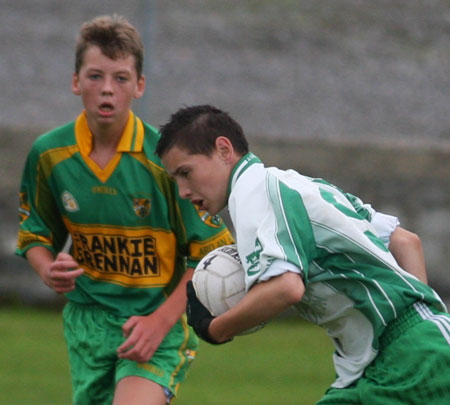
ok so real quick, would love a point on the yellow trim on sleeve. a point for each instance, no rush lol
(200, 249)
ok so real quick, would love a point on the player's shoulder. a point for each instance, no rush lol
(59, 137)
(151, 138)
(291, 178)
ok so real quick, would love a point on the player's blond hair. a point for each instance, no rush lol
(115, 37)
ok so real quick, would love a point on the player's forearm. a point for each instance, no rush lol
(263, 302)
(40, 259)
(175, 305)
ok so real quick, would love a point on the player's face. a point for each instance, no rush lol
(201, 179)
(107, 87)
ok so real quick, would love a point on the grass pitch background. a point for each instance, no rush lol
(289, 360)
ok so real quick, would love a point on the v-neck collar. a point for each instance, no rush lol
(132, 140)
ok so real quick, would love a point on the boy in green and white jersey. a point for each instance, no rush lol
(134, 241)
(304, 243)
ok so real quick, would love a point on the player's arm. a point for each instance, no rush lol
(145, 333)
(406, 247)
(57, 273)
(263, 302)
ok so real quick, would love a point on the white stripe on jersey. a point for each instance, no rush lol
(365, 288)
(273, 186)
(441, 321)
(373, 303)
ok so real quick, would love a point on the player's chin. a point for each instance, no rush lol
(202, 205)
(212, 212)
(212, 209)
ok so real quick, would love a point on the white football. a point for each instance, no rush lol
(219, 281)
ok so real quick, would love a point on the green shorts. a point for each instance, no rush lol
(412, 367)
(93, 336)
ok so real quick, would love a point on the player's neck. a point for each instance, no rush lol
(104, 143)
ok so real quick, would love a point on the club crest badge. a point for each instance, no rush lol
(141, 206)
(69, 202)
(212, 220)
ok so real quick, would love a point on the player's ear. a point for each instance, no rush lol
(224, 148)
(76, 84)
(140, 87)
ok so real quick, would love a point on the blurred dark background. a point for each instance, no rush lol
(353, 91)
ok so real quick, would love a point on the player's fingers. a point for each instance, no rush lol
(64, 286)
(136, 353)
(73, 274)
(65, 264)
(64, 256)
(129, 325)
(126, 346)
(63, 290)
(65, 275)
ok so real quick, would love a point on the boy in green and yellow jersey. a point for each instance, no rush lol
(134, 241)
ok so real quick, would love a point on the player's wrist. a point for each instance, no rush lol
(205, 334)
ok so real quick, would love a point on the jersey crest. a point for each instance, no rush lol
(69, 202)
(212, 220)
(141, 206)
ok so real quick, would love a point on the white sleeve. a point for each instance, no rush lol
(384, 225)
(277, 268)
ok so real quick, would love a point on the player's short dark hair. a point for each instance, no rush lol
(196, 128)
(115, 37)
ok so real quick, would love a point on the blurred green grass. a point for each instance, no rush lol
(288, 362)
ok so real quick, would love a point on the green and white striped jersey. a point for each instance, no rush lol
(288, 222)
(130, 231)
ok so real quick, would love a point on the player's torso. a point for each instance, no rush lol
(117, 226)
(314, 226)
(353, 285)
(118, 219)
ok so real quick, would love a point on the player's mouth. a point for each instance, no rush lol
(106, 109)
(200, 204)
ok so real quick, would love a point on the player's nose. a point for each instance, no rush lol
(107, 86)
(184, 191)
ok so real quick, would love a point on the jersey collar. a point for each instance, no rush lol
(244, 163)
(132, 138)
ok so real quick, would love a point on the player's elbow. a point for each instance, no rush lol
(403, 239)
(292, 288)
(414, 240)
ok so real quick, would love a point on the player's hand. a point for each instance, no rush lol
(62, 273)
(144, 335)
(198, 315)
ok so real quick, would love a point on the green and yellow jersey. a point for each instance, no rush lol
(129, 229)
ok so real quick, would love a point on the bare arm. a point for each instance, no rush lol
(144, 334)
(54, 272)
(406, 247)
(263, 302)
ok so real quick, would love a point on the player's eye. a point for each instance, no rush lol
(94, 76)
(122, 79)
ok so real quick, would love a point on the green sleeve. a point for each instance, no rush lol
(40, 220)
